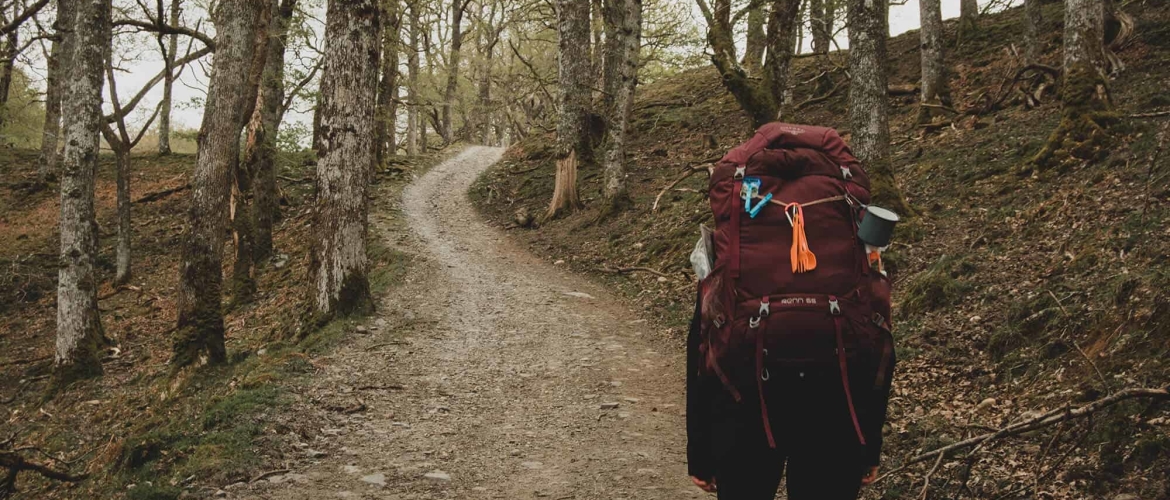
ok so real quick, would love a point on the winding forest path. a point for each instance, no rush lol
(492, 374)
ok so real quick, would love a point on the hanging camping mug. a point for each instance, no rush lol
(877, 227)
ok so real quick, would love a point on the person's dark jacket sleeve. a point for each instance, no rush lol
(878, 410)
(699, 457)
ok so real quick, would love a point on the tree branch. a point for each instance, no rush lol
(166, 29)
(22, 17)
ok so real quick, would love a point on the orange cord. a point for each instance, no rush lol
(803, 259)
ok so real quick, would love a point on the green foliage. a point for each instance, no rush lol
(23, 115)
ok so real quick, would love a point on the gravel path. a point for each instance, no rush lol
(491, 374)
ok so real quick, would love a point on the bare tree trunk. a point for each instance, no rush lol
(317, 124)
(753, 52)
(122, 161)
(200, 330)
(968, 19)
(263, 129)
(457, 9)
(413, 116)
(51, 130)
(821, 18)
(164, 119)
(8, 64)
(869, 106)
(387, 87)
(485, 101)
(574, 77)
(782, 22)
(1081, 134)
(608, 51)
(79, 328)
(628, 20)
(339, 264)
(933, 71)
(1033, 17)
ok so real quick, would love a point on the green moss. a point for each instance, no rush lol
(1082, 134)
(938, 286)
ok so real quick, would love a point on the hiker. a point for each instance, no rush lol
(789, 356)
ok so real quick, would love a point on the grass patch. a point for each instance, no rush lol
(939, 286)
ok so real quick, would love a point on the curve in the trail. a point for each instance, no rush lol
(519, 379)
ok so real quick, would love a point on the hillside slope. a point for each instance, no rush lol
(1014, 293)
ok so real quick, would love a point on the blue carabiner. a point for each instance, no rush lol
(759, 206)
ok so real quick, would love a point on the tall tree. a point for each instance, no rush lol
(171, 54)
(8, 52)
(387, 105)
(934, 82)
(413, 116)
(762, 98)
(1033, 17)
(968, 19)
(574, 70)
(348, 85)
(757, 39)
(628, 34)
(458, 7)
(1084, 95)
(79, 328)
(57, 68)
(869, 106)
(200, 330)
(822, 14)
(260, 144)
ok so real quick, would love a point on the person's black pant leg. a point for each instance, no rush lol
(823, 474)
(746, 468)
(750, 475)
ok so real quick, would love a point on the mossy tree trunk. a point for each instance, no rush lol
(1033, 18)
(757, 39)
(200, 329)
(338, 271)
(760, 99)
(263, 128)
(51, 129)
(868, 102)
(458, 7)
(79, 328)
(934, 82)
(574, 77)
(1086, 111)
(968, 20)
(628, 38)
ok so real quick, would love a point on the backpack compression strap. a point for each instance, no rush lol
(760, 324)
(835, 311)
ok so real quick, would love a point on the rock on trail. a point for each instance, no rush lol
(501, 367)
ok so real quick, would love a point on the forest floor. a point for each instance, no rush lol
(1014, 293)
(489, 374)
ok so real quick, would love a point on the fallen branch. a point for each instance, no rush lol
(158, 195)
(628, 270)
(1048, 419)
(704, 167)
(16, 464)
(1155, 114)
(294, 180)
(270, 473)
(813, 100)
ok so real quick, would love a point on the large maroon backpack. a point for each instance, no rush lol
(808, 194)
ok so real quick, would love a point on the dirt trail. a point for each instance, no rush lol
(486, 374)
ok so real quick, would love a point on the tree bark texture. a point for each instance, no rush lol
(933, 70)
(1086, 113)
(263, 129)
(1033, 18)
(574, 76)
(968, 19)
(200, 329)
(413, 116)
(122, 256)
(609, 51)
(628, 20)
(51, 130)
(757, 40)
(164, 118)
(10, 50)
(782, 21)
(79, 329)
(384, 129)
(868, 103)
(339, 264)
(457, 9)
